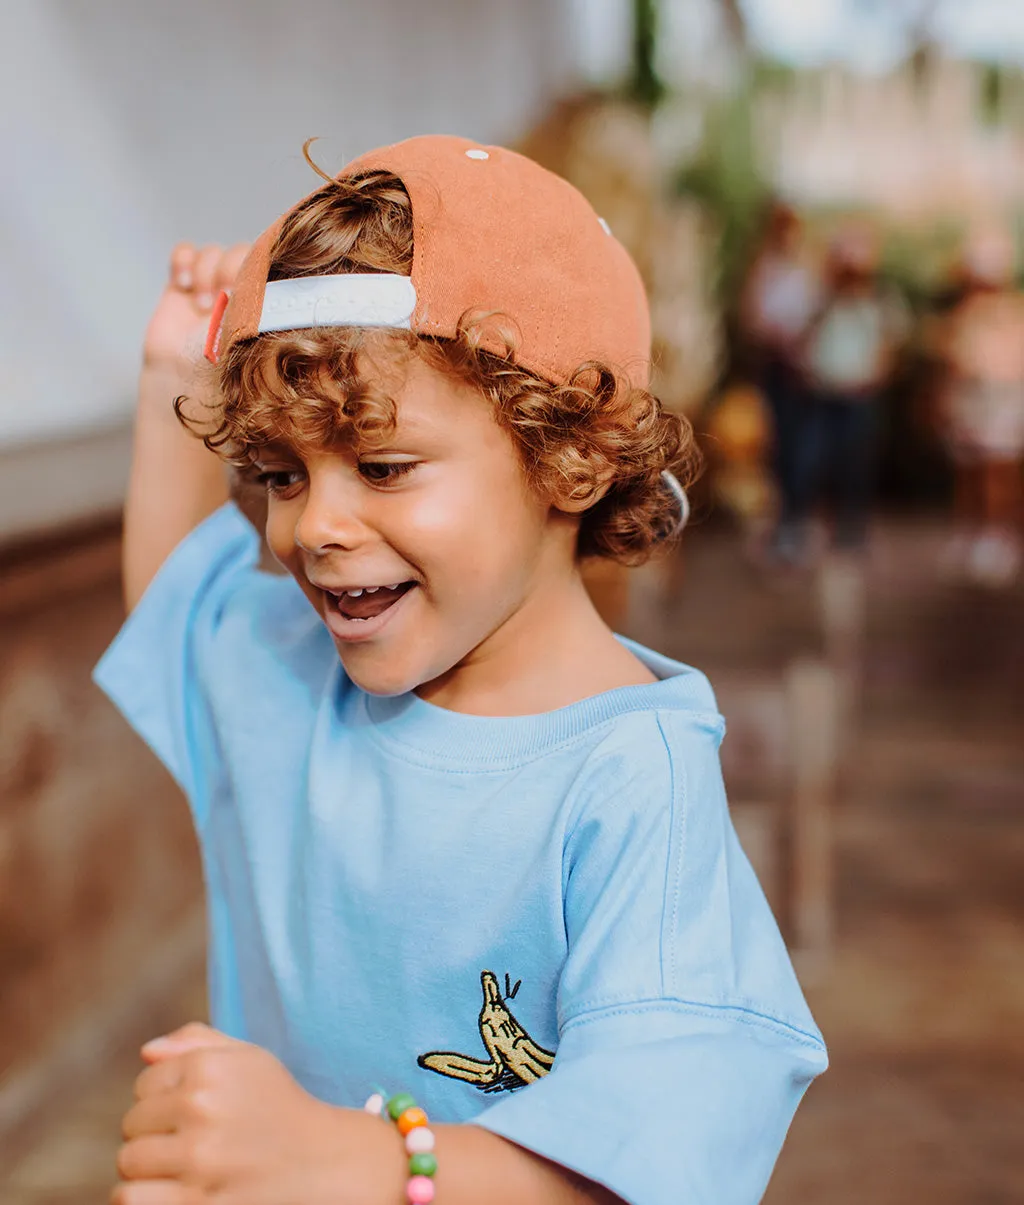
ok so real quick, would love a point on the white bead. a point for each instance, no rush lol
(477, 153)
(375, 1104)
(419, 1141)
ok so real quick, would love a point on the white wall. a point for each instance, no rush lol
(129, 124)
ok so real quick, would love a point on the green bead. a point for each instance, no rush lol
(397, 1105)
(422, 1165)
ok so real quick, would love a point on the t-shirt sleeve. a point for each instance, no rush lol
(153, 670)
(685, 1044)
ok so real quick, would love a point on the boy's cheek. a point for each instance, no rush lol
(279, 532)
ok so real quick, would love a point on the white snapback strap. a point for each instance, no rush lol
(675, 488)
(354, 299)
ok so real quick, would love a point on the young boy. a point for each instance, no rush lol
(459, 839)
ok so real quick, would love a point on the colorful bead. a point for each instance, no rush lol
(423, 1165)
(397, 1105)
(413, 1125)
(420, 1190)
(419, 1141)
(411, 1119)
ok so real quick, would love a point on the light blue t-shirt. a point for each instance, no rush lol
(541, 924)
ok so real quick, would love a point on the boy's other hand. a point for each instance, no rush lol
(218, 1120)
(177, 329)
(175, 481)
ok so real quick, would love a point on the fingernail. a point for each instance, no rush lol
(183, 279)
(205, 300)
(158, 1045)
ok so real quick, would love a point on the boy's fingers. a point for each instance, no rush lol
(152, 1192)
(151, 1158)
(194, 1036)
(192, 1031)
(229, 264)
(160, 1114)
(182, 259)
(205, 275)
(161, 1077)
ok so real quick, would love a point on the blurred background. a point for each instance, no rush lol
(826, 200)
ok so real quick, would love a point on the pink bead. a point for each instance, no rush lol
(420, 1190)
(419, 1141)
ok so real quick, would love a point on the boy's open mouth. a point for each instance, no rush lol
(366, 602)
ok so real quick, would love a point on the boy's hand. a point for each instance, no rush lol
(217, 1120)
(175, 482)
(177, 329)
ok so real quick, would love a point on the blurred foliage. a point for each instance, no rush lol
(645, 85)
(771, 75)
(992, 93)
(920, 260)
(725, 176)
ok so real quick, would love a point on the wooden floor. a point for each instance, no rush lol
(923, 1005)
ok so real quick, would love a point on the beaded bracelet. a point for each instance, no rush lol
(419, 1142)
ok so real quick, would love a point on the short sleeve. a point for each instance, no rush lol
(152, 671)
(685, 1044)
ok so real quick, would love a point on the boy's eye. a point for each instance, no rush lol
(279, 481)
(384, 472)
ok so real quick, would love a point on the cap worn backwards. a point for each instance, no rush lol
(493, 233)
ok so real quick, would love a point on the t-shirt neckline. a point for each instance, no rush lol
(454, 737)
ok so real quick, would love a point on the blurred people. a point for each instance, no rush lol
(779, 298)
(848, 356)
(982, 411)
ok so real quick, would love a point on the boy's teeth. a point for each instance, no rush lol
(353, 593)
(372, 589)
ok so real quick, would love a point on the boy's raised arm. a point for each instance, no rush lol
(175, 481)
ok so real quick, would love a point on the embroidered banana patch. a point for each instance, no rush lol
(516, 1059)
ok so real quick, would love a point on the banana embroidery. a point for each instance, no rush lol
(516, 1059)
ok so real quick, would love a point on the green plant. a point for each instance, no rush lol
(726, 178)
(992, 93)
(645, 85)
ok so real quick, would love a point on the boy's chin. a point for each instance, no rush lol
(380, 675)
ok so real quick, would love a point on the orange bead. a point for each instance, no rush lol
(411, 1119)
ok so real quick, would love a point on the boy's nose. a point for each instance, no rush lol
(330, 523)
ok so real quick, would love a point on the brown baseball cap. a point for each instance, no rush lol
(493, 232)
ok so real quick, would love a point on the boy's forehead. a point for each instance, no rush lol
(384, 361)
(424, 402)
(418, 388)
